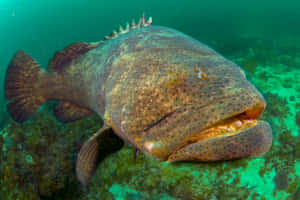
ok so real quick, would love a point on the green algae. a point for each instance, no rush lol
(119, 192)
(29, 159)
(38, 162)
(286, 89)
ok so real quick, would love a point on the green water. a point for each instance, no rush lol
(262, 36)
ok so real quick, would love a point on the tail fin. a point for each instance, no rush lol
(22, 87)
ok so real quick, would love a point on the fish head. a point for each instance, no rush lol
(193, 107)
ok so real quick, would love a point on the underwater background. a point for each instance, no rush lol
(37, 158)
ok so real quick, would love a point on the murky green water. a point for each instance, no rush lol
(37, 158)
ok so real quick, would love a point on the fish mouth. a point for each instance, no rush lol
(230, 126)
(237, 136)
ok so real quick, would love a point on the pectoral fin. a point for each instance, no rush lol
(96, 148)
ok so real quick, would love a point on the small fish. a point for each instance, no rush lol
(163, 92)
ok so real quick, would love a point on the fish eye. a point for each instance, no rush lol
(176, 77)
(170, 77)
(201, 75)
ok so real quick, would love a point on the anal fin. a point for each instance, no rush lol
(66, 111)
(95, 149)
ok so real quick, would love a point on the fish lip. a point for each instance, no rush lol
(250, 114)
(252, 142)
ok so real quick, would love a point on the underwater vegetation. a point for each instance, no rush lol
(37, 158)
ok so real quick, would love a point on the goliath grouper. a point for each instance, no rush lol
(161, 91)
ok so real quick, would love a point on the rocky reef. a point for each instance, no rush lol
(37, 158)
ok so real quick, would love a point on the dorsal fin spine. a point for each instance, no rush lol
(132, 24)
(142, 22)
(127, 28)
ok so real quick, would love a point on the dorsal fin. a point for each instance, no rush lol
(62, 58)
(142, 23)
(66, 111)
